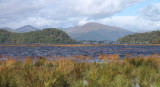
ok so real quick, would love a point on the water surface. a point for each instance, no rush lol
(93, 51)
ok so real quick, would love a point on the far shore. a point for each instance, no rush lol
(72, 45)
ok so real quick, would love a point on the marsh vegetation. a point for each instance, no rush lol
(130, 72)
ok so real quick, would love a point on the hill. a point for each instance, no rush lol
(50, 35)
(26, 28)
(8, 29)
(97, 32)
(22, 29)
(148, 37)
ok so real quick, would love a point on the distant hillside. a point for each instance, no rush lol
(26, 28)
(50, 35)
(148, 37)
(8, 29)
(98, 32)
(23, 29)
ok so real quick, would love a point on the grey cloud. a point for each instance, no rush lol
(15, 13)
(133, 23)
(90, 8)
(151, 12)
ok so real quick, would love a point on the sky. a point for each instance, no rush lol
(134, 15)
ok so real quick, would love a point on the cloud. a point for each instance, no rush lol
(151, 12)
(67, 13)
(16, 13)
(12, 8)
(133, 23)
(88, 8)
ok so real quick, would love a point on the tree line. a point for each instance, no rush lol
(49, 35)
(147, 37)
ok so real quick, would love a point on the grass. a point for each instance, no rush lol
(142, 71)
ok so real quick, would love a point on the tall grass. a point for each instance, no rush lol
(142, 71)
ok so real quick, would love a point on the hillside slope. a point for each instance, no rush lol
(148, 37)
(23, 29)
(98, 32)
(49, 35)
(26, 28)
(8, 29)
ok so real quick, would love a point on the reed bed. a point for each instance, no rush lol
(130, 72)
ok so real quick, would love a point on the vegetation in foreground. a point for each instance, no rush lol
(48, 36)
(130, 72)
(148, 37)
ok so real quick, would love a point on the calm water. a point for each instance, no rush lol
(93, 51)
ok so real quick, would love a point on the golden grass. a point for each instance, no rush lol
(109, 57)
(64, 72)
(81, 57)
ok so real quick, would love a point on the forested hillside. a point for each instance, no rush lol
(148, 37)
(50, 35)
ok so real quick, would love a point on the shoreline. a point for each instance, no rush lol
(77, 45)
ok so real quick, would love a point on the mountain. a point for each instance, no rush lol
(26, 28)
(148, 37)
(8, 29)
(49, 35)
(23, 29)
(97, 32)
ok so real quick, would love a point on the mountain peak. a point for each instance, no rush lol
(26, 28)
(91, 23)
(97, 31)
(8, 29)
